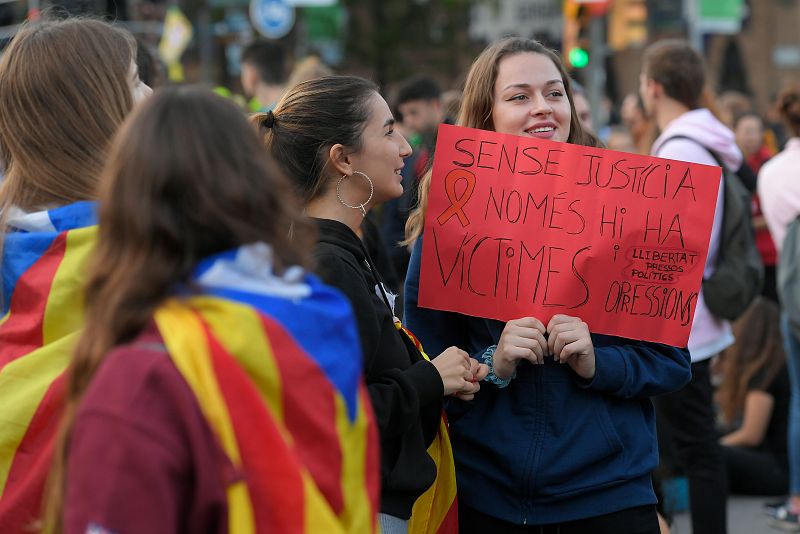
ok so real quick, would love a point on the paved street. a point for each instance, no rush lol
(745, 516)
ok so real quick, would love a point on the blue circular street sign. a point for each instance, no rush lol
(272, 18)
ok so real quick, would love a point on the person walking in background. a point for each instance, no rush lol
(65, 87)
(729, 105)
(672, 82)
(641, 127)
(582, 106)
(749, 130)
(334, 139)
(309, 68)
(264, 73)
(775, 131)
(419, 101)
(779, 190)
(420, 106)
(451, 103)
(150, 67)
(545, 447)
(217, 386)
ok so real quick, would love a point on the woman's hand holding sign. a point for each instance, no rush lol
(569, 340)
(522, 339)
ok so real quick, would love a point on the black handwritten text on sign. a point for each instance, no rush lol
(518, 226)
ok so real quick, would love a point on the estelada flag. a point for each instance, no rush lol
(275, 364)
(43, 267)
(436, 510)
(333, 452)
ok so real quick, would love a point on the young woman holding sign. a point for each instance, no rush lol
(568, 446)
(335, 139)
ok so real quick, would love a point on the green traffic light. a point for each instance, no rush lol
(578, 57)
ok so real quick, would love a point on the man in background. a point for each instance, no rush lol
(419, 113)
(264, 73)
(671, 86)
(419, 101)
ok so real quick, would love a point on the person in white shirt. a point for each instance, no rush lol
(779, 190)
(671, 86)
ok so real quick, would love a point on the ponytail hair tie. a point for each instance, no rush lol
(269, 120)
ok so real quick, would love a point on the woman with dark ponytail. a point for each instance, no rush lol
(334, 138)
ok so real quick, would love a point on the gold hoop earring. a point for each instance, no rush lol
(360, 206)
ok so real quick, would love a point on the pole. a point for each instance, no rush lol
(34, 8)
(205, 42)
(691, 9)
(596, 69)
(379, 42)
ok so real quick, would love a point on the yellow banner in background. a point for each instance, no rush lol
(177, 35)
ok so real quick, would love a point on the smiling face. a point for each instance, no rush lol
(381, 156)
(530, 98)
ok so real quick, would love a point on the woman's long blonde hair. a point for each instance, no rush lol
(477, 103)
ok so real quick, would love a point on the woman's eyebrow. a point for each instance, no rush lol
(528, 86)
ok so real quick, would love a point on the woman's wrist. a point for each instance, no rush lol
(488, 358)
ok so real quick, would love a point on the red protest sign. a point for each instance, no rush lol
(519, 227)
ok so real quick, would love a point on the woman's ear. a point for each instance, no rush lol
(340, 160)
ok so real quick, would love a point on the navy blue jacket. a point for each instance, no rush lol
(552, 447)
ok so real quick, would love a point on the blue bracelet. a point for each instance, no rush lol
(488, 359)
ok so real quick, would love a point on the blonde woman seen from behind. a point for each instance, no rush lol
(65, 87)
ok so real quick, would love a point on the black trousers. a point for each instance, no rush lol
(639, 520)
(770, 289)
(688, 415)
(755, 472)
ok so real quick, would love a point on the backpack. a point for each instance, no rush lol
(739, 273)
(789, 276)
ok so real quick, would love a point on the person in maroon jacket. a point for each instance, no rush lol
(187, 182)
(749, 130)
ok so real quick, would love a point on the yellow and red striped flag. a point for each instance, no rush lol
(296, 411)
(43, 268)
(276, 367)
(436, 510)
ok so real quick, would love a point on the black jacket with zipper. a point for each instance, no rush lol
(406, 390)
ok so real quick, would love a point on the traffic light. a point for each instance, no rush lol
(578, 57)
(627, 24)
(575, 47)
(578, 15)
(575, 53)
(571, 30)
